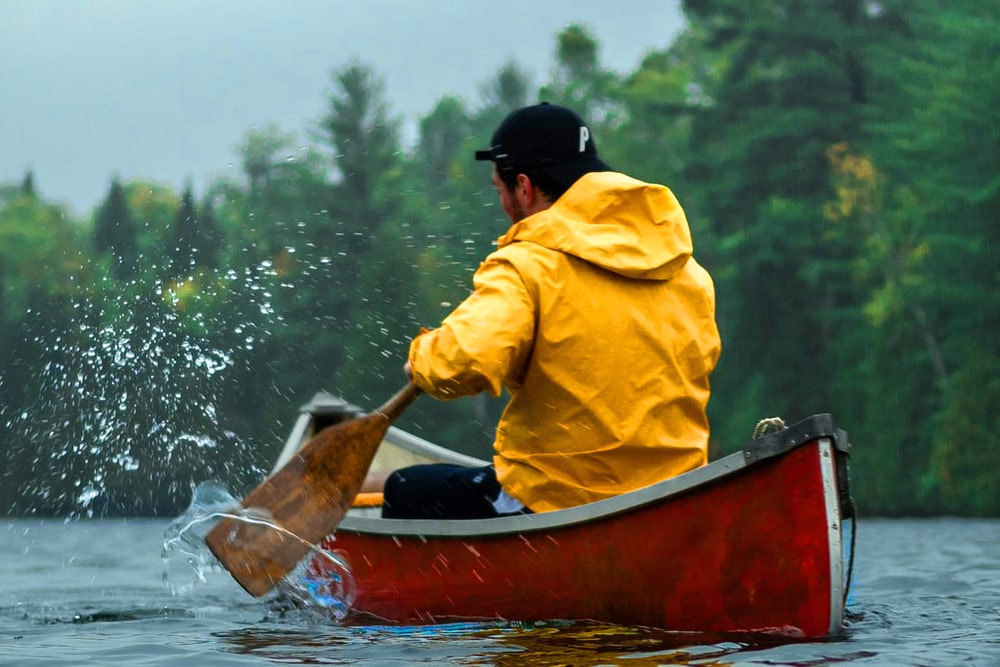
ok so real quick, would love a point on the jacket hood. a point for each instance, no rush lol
(616, 222)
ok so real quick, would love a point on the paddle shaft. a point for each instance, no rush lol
(393, 408)
(306, 499)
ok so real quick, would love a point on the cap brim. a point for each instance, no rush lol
(484, 155)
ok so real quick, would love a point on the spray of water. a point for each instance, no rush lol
(124, 415)
(321, 584)
(186, 559)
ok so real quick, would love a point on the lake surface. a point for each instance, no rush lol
(926, 592)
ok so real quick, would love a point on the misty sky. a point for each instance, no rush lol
(165, 89)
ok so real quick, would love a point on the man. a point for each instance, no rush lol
(595, 318)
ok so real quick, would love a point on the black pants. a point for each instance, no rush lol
(442, 491)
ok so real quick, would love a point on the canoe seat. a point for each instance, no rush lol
(373, 499)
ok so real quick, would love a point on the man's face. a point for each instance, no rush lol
(507, 200)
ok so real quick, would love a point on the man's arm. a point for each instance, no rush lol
(484, 342)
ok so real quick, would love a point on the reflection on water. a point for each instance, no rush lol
(118, 615)
(505, 644)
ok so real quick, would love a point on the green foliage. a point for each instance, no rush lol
(510, 89)
(28, 184)
(115, 233)
(442, 134)
(757, 178)
(210, 240)
(183, 241)
(661, 98)
(153, 206)
(366, 143)
(580, 82)
(922, 213)
(965, 455)
(40, 257)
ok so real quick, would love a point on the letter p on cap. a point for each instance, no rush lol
(584, 135)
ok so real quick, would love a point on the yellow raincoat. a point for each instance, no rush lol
(601, 326)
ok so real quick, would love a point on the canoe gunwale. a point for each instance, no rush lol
(547, 520)
(779, 442)
(815, 428)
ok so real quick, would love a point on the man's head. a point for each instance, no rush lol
(545, 146)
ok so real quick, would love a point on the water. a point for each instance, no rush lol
(327, 594)
(92, 592)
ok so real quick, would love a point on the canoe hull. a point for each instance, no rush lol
(738, 547)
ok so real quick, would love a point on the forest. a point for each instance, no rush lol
(838, 160)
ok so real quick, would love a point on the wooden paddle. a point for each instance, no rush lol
(307, 498)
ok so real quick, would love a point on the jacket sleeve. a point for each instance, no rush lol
(484, 343)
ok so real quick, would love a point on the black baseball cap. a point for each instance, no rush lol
(548, 137)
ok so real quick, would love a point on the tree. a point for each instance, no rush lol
(42, 274)
(184, 237)
(659, 100)
(154, 207)
(285, 202)
(510, 89)
(786, 88)
(28, 184)
(944, 157)
(277, 287)
(116, 234)
(580, 82)
(210, 240)
(443, 133)
(365, 139)
(373, 311)
(195, 237)
(40, 257)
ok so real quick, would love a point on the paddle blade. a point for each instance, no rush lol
(306, 500)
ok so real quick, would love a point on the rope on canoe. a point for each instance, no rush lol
(768, 425)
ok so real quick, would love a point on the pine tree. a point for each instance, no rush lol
(365, 139)
(209, 242)
(184, 237)
(364, 206)
(28, 184)
(510, 89)
(116, 233)
(443, 133)
(580, 82)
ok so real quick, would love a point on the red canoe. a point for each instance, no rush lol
(752, 542)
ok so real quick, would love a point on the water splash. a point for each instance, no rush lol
(123, 413)
(322, 584)
(186, 559)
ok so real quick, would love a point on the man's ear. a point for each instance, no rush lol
(525, 192)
